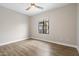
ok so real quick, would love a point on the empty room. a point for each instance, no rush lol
(39, 29)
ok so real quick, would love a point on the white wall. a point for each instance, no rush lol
(13, 26)
(78, 26)
(62, 25)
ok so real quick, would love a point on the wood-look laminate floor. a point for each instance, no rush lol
(36, 48)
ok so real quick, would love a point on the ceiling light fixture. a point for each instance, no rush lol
(32, 5)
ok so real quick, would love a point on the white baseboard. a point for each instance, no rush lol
(42, 40)
(69, 45)
(75, 46)
(65, 44)
(11, 42)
